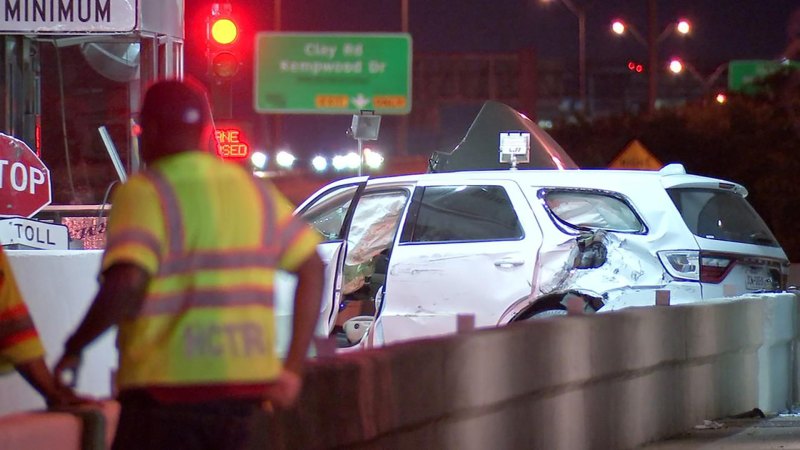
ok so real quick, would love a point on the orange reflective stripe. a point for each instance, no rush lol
(181, 301)
(218, 260)
(135, 237)
(14, 312)
(269, 216)
(170, 211)
(15, 330)
(292, 230)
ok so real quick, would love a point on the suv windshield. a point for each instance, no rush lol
(721, 215)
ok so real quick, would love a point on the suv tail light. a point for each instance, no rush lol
(714, 269)
(681, 264)
(696, 266)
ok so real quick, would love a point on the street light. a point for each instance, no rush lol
(259, 160)
(682, 27)
(678, 66)
(319, 163)
(580, 13)
(373, 159)
(652, 42)
(284, 159)
(620, 28)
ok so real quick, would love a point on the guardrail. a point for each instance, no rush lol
(615, 380)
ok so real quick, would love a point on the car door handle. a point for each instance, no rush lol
(508, 263)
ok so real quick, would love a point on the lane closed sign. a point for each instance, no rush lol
(24, 180)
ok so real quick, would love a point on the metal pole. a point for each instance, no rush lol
(402, 135)
(582, 60)
(652, 51)
(360, 155)
(276, 118)
(580, 12)
(277, 15)
(404, 16)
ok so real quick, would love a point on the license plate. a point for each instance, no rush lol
(757, 279)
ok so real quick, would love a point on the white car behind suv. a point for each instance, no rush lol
(409, 256)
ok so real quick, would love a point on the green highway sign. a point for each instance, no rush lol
(332, 73)
(743, 75)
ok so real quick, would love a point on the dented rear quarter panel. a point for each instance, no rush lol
(632, 271)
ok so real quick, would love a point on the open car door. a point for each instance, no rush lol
(331, 212)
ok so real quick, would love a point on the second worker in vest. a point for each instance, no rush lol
(193, 244)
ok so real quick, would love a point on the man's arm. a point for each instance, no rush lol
(285, 389)
(37, 374)
(307, 298)
(120, 296)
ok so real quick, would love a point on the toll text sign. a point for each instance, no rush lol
(24, 179)
(332, 73)
(34, 234)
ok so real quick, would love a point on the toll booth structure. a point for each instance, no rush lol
(73, 73)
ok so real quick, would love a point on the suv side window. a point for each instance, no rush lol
(327, 213)
(585, 209)
(465, 213)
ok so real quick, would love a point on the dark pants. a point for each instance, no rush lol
(145, 424)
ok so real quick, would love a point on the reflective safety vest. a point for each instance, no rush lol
(19, 341)
(212, 237)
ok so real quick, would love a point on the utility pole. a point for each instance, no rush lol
(652, 52)
(276, 118)
(402, 136)
(579, 10)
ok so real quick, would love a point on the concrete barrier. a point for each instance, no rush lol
(58, 287)
(615, 380)
(83, 428)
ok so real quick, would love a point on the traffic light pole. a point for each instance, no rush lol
(221, 101)
(276, 121)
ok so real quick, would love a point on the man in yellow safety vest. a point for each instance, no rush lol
(193, 244)
(20, 346)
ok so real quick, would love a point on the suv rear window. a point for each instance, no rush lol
(721, 215)
(465, 213)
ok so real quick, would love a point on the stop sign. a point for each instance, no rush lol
(24, 179)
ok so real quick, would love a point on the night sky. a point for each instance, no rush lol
(722, 30)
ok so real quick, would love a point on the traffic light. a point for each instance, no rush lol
(222, 39)
(634, 66)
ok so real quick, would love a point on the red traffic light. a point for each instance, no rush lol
(634, 66)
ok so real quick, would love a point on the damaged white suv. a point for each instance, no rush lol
(407, 255)
(410, 256)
